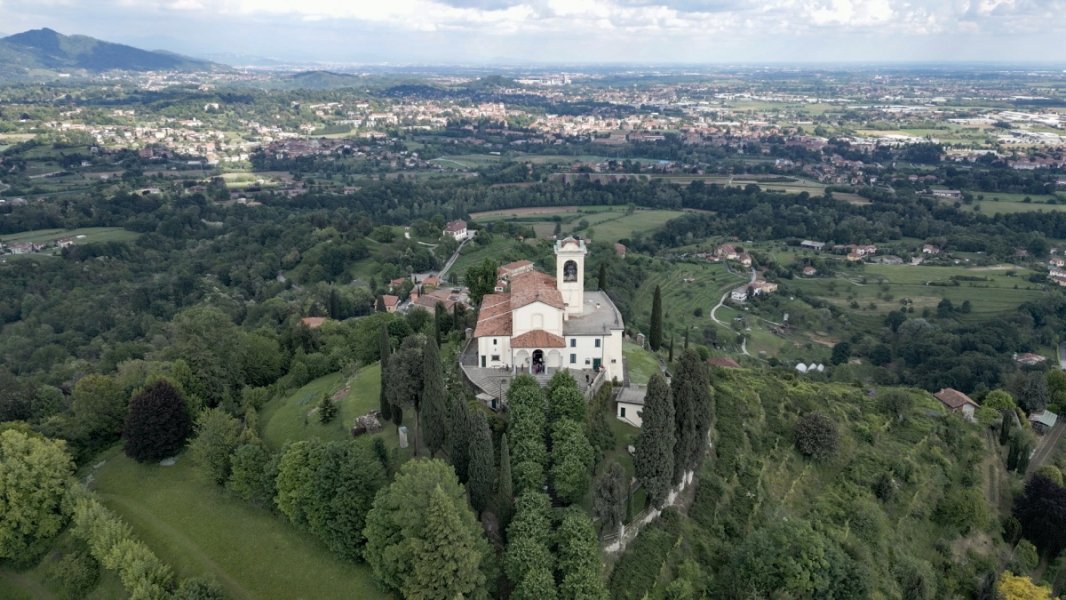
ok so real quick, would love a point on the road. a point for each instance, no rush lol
(721, 301)
(1062, 355)
(1047, 449)
(451, 261)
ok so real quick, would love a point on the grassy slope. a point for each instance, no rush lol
(284, 418)
(193, 526)
(755, 476)
(641, 363)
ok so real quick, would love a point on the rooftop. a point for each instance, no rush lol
(599, 316)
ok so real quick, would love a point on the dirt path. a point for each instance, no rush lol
(188, 547)
(1047, 449)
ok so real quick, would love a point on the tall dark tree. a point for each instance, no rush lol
(653, 460)
(505, 491)
(157, 424)
(1005, 426)
(602, 282)
(440, 316)
(405, 382)
(481, 279)
(655, 334)
(692, 413)
(433, 406)
(579, 558)
(1041, 509)
(459, 426)
(609, 503)
(482, 470)
(383, 394)
(334, 303)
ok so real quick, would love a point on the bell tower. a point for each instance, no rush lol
(570, 273)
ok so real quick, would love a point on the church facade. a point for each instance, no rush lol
(544, 323)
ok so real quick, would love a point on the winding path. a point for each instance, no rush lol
(451, 261)
(721, 301)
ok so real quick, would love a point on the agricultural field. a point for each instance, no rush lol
(599, 223)
(879, 289)
(197, 529)
(686, 303)
(84, 235)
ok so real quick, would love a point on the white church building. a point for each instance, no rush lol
(544, 323)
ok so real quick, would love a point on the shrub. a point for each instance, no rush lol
(816, 436)
(76, 573)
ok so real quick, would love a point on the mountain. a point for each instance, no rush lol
(46, 50)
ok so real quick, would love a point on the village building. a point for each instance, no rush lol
(723, 361)
(957, 402)
(630, 404)
(547, 323)
(930, 249)
(1028, 359)
(809, 271)
(812, 245)
(1042, 421)
(951, 194)
(390, 302)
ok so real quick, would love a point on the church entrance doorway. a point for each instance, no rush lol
(538, 362)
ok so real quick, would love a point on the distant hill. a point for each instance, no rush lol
(44, 50)
(322, 80)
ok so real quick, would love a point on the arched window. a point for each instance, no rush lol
(570, 271)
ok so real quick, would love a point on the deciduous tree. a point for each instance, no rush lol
(447, 556)
(157, 424)
(35, 473)
(579, 558)
(816, 436)
(217, 437)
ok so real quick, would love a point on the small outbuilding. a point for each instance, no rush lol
(1043, 420)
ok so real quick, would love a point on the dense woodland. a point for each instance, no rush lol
(842, 488)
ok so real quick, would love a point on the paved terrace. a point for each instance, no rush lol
(493, 384)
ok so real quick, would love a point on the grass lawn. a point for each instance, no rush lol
(198, 530)
(35, 583)
(641, 363)
(293, 417)
(624, 226)
(92, 234)
(685, 303)
(605, 223)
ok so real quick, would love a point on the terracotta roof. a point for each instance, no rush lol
(390, 300)
(534, 286)
(313, 322)
(454, 226)
(495, 316)
(511, 267)
(538, 338)
(954, 399)
(723, 361)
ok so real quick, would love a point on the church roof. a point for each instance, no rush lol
(495, 316)
(534, 286)
(538, 338)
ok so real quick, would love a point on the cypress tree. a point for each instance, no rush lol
(334, 303)
(1004, 427)
(603, 276)
(505, 492)
(459, 438)
(609, 503)
(692, 413)
(433, 411)
(686, 338)
(482, 469)
(438, 321)
(383, 399)
(655, 336)
(670, 356)
(653, 459)
(1012, 454)
(1024, 451)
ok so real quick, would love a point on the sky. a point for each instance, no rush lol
(534, 32)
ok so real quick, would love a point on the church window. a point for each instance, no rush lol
(597, 342)
(495, 358)
(570, 271)
(573, 342)
(573, 359)
(622, 411)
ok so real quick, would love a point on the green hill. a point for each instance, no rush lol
(902, 508)
(48, 50)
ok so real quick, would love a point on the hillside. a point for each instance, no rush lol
(47, 50)
(897, 510)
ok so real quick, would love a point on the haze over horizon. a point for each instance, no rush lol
(568, 31)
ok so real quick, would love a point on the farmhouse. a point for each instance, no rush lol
(456, 230)
(930, 249)
(546, 323)
(390, 302)
(957, 402)
(313, 322)
(1029, 359)
(812, 245)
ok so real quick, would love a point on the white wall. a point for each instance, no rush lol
(522, 320)
(632, 413)
(502, 348)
